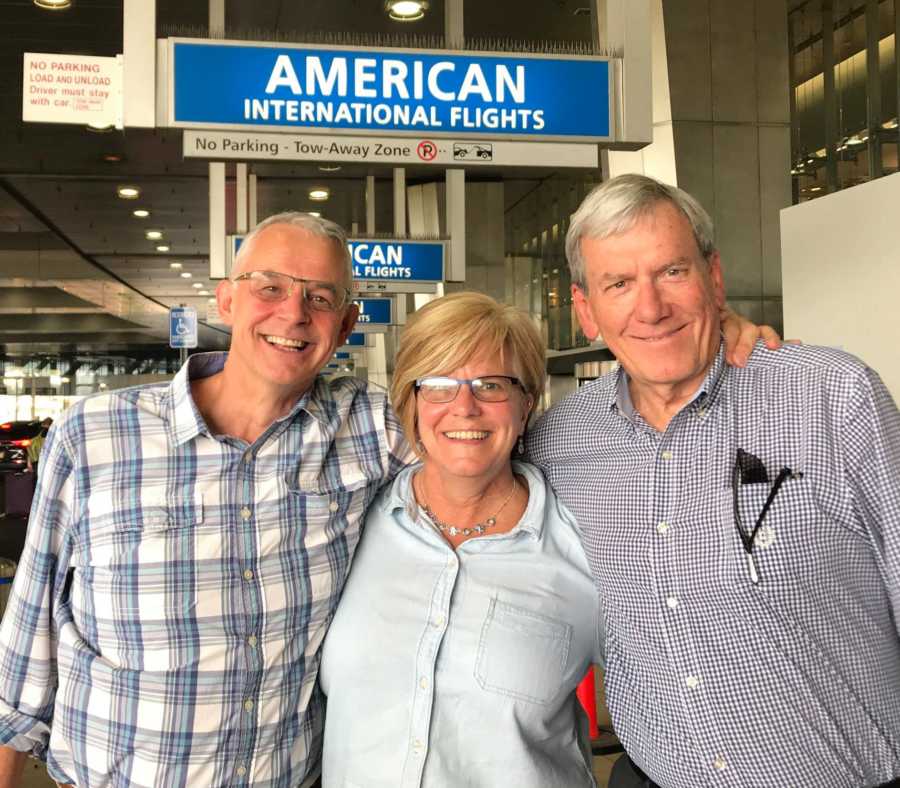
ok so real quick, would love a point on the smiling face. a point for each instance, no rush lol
(282, 346)
(468, 438)
(655, 300)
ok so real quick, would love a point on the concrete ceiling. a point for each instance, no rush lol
(76, 268)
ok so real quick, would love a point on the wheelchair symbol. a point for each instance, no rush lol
(181, 328)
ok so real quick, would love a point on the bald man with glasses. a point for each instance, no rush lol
(189, 542)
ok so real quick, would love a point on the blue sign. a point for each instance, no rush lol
(421, 92)
(182, 326)
(374, 311)
(395, 260)
(341, 355)
(356, 339)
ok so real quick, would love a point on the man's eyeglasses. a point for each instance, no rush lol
(490, 388)
(273, 286)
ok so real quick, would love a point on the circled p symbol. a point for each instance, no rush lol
(427, 150)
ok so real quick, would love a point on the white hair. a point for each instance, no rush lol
(616, 206)
(314, 225)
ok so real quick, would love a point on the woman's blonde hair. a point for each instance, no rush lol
(448, 332)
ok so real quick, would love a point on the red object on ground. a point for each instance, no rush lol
(587, 696)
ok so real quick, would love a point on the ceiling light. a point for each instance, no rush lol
(53, 5)
(315, 213)
(153, 235)
(205, 292)
(406, 10)
(112, 158)
(210, 300)
(162, 248)
(141, 213)
(128, 192)
(186, 274)
(176, 266)
(329, 167)
(319, 194)
(197, 285)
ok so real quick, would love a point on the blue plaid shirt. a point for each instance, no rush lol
(713, 680)
(166, 619)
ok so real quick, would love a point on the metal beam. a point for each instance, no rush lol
(830, 97)
(873, 90)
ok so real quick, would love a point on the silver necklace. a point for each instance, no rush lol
(478, 528)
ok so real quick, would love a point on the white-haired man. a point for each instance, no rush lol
(189, 542)
(743, 524)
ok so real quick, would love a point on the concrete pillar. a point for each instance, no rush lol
(729, 85)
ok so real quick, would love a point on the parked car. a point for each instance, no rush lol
(15, 438)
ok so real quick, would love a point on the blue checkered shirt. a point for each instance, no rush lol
(713, 680)
(167, 615)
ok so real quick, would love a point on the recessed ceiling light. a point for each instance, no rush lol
(112, 158)
(128, 192)
(153, 235)
(204, 292)
(197, 285)
(315, 213)
(186, 274)
(211, 300)
(162, 248)
(319, 194)
(176, 266)
(406, 10)
(141, 213)
(53, 5)
(329, 167)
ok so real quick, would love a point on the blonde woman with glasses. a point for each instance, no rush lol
(470, 615)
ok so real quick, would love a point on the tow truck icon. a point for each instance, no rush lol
(473, 151)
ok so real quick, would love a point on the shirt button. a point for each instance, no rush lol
(423, 683)
(719, 763)
(248, 574)
(672, 601)
(662, 528)
(439, 621)
(333, 506)
(251, 641)
(667, 455)
(241, 771)
(451, 561)
(692, 681)
(248, 705)
(248, 457)
(701, 412)
(245, 513)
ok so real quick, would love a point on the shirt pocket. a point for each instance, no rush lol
(522, 654)
(135, 584)
(145, 528)
(795, 543)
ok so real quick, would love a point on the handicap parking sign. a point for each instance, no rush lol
(182, 327)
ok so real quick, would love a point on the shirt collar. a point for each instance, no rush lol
(186, 422)
(704, 396)
(532, 522)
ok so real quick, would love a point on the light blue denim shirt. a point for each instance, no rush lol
(459, 668)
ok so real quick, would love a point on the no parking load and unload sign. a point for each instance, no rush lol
(215, 84)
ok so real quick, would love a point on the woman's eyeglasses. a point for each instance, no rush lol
(490, 388)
